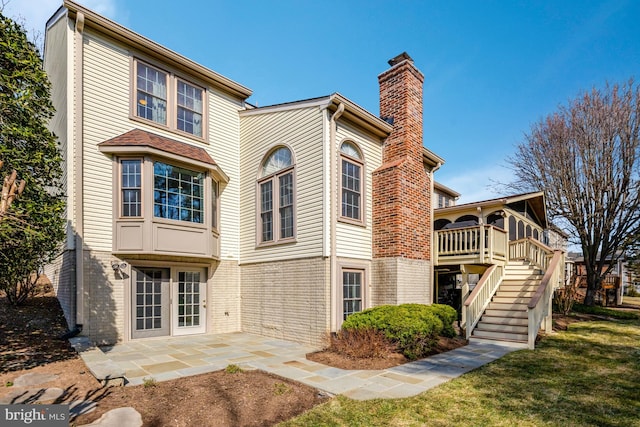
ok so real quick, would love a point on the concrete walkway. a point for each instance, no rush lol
(170, 358)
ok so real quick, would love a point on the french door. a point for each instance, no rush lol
(168, 301)
(189, 304)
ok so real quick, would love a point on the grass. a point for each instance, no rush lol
(604, 311)
(631, 301)
(232, 369)
(588, 375)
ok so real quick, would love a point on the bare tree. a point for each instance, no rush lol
(586, 158)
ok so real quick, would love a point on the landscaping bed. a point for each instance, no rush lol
(28, 344)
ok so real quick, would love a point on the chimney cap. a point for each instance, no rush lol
(404, 56)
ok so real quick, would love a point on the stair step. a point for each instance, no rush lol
(506, 313)
(495, 327)
(480, 333)
(507, 307)
(520, 277)
(511, 299)
(520, 283)
(498, 320)
(508, 343)
(518, 288)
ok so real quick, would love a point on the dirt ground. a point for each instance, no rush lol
(28, 343)
(391, 360)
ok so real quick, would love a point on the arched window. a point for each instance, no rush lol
(513, 232)
(469, 219)
(438, 224)
(520, 229)
(496, 219)
(276, 189)
(351, 182)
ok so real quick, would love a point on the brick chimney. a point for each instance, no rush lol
(402, 192)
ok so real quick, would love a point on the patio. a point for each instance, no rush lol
(170, 358)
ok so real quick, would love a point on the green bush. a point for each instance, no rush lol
(448, 315)
(414, 328)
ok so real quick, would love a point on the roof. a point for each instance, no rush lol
(352, 112)
(444, 189)
(536, 201)
(134, 140)
(149, 47)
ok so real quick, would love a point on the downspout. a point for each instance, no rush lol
(78, 142)
(433, 245)
(333, 202)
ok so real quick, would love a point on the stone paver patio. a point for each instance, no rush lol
(170, 358)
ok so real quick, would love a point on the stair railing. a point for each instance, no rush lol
(532, 250)
(539, 308)
(481, 296)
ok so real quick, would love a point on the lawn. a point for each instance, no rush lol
(588, 375)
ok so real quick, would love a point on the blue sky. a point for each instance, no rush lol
(492, 68)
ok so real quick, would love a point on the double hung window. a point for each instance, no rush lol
(276, 187)
(131, 187)
(167, 100)
(351, 182)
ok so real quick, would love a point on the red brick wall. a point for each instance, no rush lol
(401, 187)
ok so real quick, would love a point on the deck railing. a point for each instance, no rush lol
(483, 244)
(481, 296)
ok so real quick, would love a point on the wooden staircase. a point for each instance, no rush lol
(506, 318)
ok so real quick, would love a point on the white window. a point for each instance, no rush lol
(189, 108)
(167, 100)
(351, 184)
(131, 187)
(276, 221)
(352, 286)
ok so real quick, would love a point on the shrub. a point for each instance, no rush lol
(413, 328)
(564, 298)
(364, 343)
(448, 315)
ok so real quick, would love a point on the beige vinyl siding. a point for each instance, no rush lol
(59, 47)
(355, 241)
(105, 115)
(107, 97)
(302, 131)
(224, 147)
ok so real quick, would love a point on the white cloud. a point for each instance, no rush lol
(33, 14)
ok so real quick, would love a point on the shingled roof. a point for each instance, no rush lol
(140, 138)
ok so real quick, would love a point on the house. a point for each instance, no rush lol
(617, 281)
(192, 211)
(493, 263)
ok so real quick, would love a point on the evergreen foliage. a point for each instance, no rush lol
(31, 235)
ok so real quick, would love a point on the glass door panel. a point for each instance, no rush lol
(150, 302)
(189, 293)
